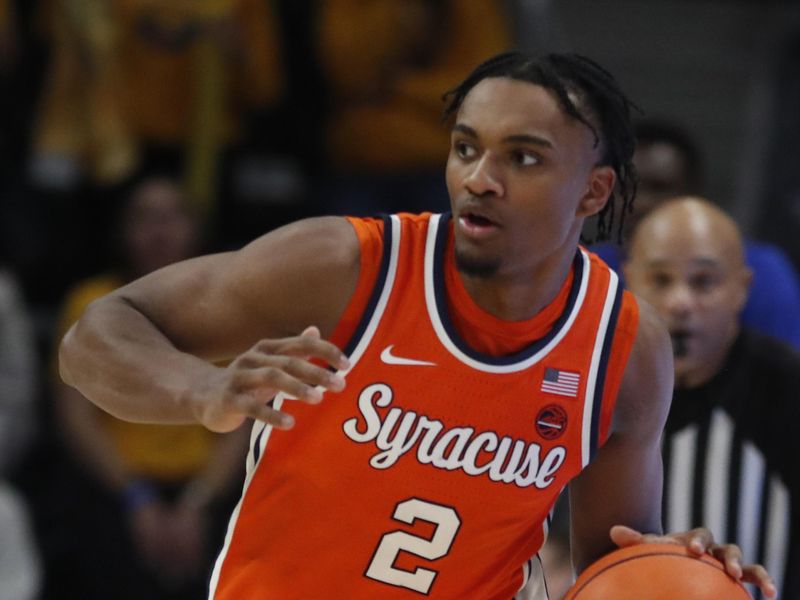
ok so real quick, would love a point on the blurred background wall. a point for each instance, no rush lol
(725, 69)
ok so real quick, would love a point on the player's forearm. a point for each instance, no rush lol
(119, 359)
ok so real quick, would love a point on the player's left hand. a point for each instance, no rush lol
(700, 541)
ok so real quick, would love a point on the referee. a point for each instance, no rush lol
(731, 441)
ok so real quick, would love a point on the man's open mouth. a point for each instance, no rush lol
(473, 219)
(680, 342)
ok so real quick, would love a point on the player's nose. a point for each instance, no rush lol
(484, 178)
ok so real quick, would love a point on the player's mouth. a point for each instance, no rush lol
(475, 224)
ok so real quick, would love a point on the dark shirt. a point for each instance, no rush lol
(731, 452)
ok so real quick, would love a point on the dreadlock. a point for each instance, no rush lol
(587, 93)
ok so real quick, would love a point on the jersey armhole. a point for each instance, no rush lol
(370, 240)
(621, 346)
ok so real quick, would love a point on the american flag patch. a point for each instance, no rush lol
(563, 383)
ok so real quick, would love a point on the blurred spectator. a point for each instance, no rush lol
(386, 63)
(730, 442)
(159, 487)
(20, 66)
(20, 571)
(18, 370)
(20, 576)
(270, 172)
(9, 59)
(668, 164)
(8, 36)
(136, 79)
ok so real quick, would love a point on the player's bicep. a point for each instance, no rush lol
(217, 306)
(623, 485)
(187, 303)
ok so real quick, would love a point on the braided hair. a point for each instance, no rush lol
(586, 92)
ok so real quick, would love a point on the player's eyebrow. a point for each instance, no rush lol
(524, 138)
(465, 129)
(518, 138)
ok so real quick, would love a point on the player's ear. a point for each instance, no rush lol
(599, 186)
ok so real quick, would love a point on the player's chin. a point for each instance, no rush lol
(476, 264)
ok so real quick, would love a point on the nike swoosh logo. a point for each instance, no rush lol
(391, 359)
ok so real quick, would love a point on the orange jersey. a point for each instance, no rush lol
(434, 473)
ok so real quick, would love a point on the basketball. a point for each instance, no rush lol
(656, 572)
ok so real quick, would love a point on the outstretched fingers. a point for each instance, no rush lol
(308, 346)
(758, 575)
(247, 405)
(297, 378)
(731, 556)
(300, 367)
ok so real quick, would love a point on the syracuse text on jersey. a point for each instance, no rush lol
(509, 461)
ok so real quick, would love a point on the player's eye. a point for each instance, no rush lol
(524, 158)
(465, 150)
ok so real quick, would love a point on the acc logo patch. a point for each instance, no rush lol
(551, 422)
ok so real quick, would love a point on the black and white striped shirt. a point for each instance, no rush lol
(732, 458)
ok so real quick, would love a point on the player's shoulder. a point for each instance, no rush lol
(311, 241)
(298, 274)
(317, 249)
(374, 232)
(417, 221)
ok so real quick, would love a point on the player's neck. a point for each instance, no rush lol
(521, 294)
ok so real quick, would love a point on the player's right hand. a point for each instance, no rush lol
(698, 541)
(246, 386)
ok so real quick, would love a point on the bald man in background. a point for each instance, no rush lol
(668, 164)
(731, 440)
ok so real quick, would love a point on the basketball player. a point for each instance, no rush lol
(730, 440)
(452, 373)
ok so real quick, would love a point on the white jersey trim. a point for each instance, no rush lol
(452, 347)
(255, 432)
(591, 380)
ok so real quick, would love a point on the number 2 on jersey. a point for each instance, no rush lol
(446, 522)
